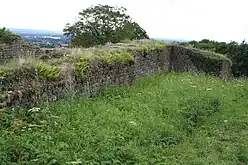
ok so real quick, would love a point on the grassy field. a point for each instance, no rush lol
(173, 119)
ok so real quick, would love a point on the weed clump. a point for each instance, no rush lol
(117, 57)
(47, 71)
(152, 45)
(82, 65)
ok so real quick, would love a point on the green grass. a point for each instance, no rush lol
(172, 119)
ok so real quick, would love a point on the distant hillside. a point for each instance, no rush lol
(35, 31)
(169, 40)
(43, 38)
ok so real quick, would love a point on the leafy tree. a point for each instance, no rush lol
(100, 24)
(6, 36)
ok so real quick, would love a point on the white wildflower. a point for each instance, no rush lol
(34, 109)
(75, 162)
(132, 122)
(225, 121)
(209, 89)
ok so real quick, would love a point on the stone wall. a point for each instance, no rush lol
(17, 49)
(153, 62)
(183, 59)
(30, 92)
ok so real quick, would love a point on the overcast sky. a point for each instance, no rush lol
(221, 20)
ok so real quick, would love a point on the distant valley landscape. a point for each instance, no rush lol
(52, 39)
(42, 38)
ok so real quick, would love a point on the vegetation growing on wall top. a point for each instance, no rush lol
(82, 64)
(237, 52)
(118, 57)
(47, 71)
(7, 37)
(9, 77)
(92, 59)
(209, 54)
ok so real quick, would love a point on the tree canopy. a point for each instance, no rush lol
(100, 24)
(6, 36)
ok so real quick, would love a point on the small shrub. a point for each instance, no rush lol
(152, 45)
(47, 71)
(120, 57)
(145, 49)
(160, 44)
(7, 37)
(83, 64)
(2, 73)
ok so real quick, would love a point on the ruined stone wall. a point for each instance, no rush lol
(180, 61)
(18, 48)
(32, 91)
(183, 59)
(153, 62)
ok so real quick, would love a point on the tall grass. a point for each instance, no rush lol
(173, 119)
